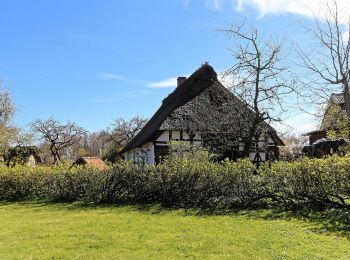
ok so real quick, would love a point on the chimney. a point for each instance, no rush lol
(180, 80)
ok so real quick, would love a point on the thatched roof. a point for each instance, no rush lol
(95, 162)
(177, 110)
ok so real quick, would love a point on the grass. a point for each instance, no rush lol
(42, 231)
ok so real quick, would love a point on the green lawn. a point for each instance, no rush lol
(37, 230)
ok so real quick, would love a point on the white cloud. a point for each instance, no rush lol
(111, 76)
(165, 83)
(309, 8)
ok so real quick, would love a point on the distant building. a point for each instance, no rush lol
(334, 123)
(22, 155)
(187, 114)
(333, 131)
(316, 135)
(95, 162)
(34, 160)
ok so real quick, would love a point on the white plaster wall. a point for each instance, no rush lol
(141, 154)
(269, 140)
(175, 135)
(198, 136)
(262, 156)
(31, 161)
(164, 137)
(261, 144)
(149, 149)
(185, 136)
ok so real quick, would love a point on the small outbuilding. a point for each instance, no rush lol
(22, 155)
(95, 162)
(316, 135)
(34, 160)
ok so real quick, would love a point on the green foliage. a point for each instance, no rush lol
(187, 151)
(336, 122)
(110, 154)
(19, 154)
(189, 183)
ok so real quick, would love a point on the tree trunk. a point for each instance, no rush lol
(247, 144)
(53, 152)
(58, 156)
(249, 140)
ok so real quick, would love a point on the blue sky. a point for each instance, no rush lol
(91, 61)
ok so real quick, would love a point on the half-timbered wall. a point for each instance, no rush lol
(141, 155)
(148, 154)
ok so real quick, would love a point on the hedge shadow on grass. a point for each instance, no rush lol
(328, 221)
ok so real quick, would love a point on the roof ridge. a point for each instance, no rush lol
(199, 80)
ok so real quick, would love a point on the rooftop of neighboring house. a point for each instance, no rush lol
(92, 161)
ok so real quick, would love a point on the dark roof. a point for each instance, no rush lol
(198, 82)
(314, 132)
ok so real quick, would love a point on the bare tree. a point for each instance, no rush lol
(293, 146)
(7, 109)
(60, 136)
(95, 143)
(115, 137)
(8, 133)
(259, 78)
(123, 131)
(327, 60)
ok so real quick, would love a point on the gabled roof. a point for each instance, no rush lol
(314, 132)
(201, 79)
(198, 82)
(96, 162)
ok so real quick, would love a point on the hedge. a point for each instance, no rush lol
(188, 183)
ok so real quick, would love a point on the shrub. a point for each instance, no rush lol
(188, 183)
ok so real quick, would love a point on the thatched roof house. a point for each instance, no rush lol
(334, 120)
(200, 109)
